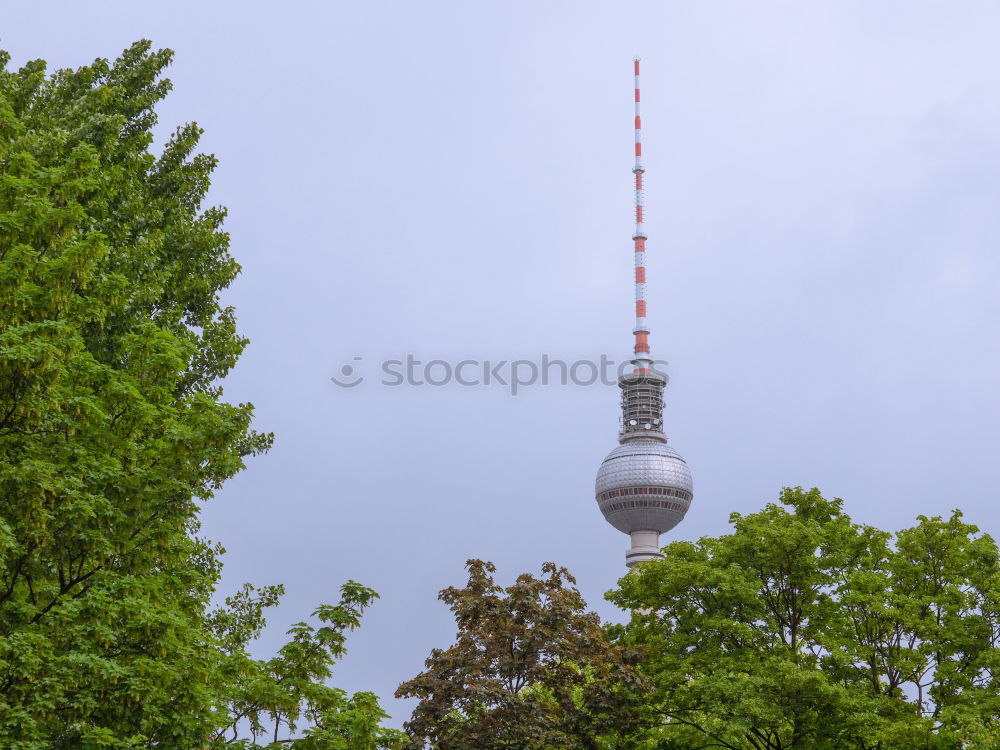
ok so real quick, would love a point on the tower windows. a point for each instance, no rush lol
(666, 504)
(634, 491)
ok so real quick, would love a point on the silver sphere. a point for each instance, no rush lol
(644, 485)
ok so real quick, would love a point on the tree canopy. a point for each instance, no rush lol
(530, 668)
(113, 429)
(803, 629)
(285, 700)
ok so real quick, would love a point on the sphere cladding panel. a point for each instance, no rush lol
(644, 463)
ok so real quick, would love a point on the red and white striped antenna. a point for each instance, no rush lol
(643, 362)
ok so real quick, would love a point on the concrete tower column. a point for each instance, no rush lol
(645, 546)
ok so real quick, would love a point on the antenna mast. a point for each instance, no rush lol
(643, 362)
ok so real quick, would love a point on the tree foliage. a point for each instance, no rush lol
(266, 701)
(113, 429)
(530, 668)
(802, 629)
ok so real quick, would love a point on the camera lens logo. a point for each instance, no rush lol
(349, 377)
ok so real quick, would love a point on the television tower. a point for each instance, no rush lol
(644, 487)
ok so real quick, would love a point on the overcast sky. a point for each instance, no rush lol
(452, 180)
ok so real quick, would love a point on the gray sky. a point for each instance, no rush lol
(452, 180)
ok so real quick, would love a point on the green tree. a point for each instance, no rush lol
(530, 668)
(266, 701)
(113, 427)
(802, 629)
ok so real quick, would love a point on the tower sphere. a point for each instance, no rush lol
(644, 485)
